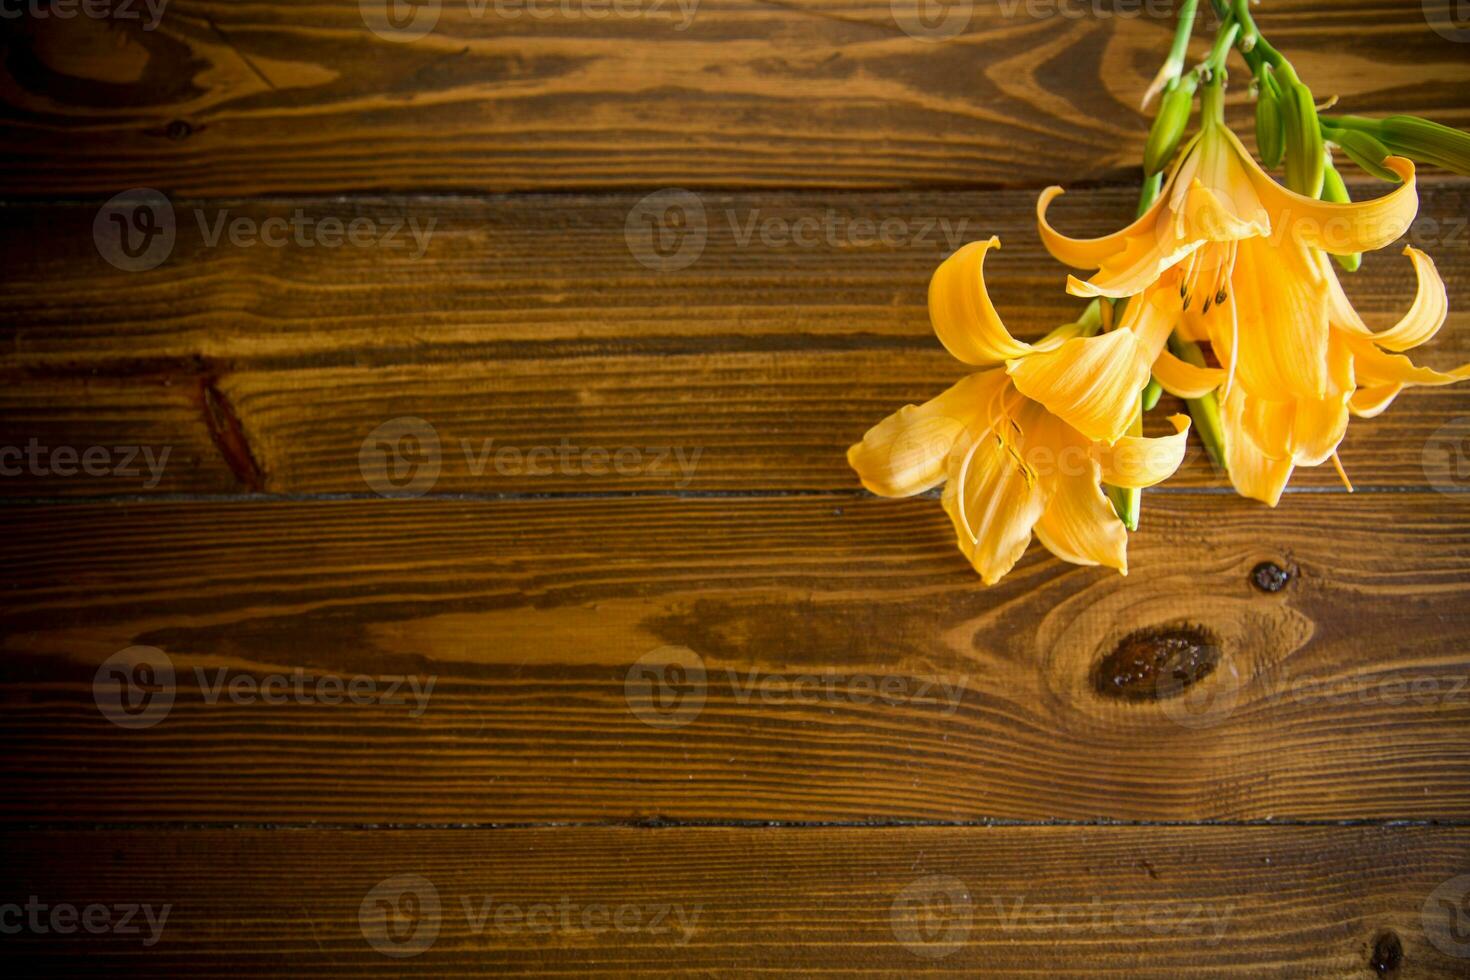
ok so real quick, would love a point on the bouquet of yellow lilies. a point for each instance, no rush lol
(1221, 292)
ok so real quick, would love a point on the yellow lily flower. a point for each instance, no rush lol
(1265, 439)
(1090, 382)
(1025, 445)
(1248, 258)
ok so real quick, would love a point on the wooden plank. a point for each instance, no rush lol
(122, 436)
(529, 321)
(719, 902)
(853, 668)
(229, 98)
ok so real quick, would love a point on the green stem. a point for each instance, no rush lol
(1224, 41)
(1252, 44)
(1205, 411)
(1179, 50)
(1128, 501)
(1212, 101)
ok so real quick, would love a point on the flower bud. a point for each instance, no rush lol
(1427, 142)
(1364, 149)
(1270, 130)
(1169, 124)
(1304, 170)
(1335, 192)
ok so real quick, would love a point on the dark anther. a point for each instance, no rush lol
(1269, 577)
(1206, 308)
(179, 130)
(1388, 954)
(1220, 297)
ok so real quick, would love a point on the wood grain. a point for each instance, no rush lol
(528, 322)
(717, 902)
(278, 97)
(853, 667)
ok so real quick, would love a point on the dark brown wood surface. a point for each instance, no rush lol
(710, 679)
(1163, 902)
(852, 671)
(291, 97)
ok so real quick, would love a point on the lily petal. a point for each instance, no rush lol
(1091, 253)
(994, 501)
(906, 453)
(1093, 383)
(1342, 229)
(1138, 461)
(963, 316)
(1252, 472)
(1317, 429)
(1427, 314)
(1367, 403)
(1135, 268)
(1184, 380)
(1080, 526)
(1375, 367)
(1282, 322)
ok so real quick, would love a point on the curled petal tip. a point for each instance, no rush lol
(1078, 287)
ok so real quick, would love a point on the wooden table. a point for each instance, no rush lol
(504, 602)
